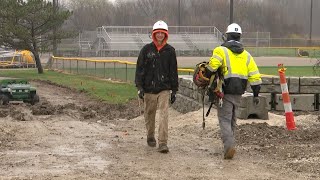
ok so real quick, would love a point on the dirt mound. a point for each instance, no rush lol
(88, 109)
(262, 134)
(129, 110)
(4, 112)
(45, 108)
(296, 149)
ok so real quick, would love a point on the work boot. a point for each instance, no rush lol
(229, 153)
(151, 142)
(163, 148)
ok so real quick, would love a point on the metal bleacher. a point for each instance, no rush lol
(128, 40)
(204, 41)
(178, 42)
(125, 42)
(145, 38)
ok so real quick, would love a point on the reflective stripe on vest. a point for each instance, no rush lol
(218, 57)
(227, 59)
(229, 75)
(248, 59)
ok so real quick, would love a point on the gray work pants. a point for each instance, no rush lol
(227, 119)
(151, 103)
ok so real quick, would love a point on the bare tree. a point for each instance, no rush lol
(151, 9)
(280, 17)
(208, 13)
(126, 15)
(87, 15)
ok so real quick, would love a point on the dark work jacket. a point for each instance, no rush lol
(157, 71)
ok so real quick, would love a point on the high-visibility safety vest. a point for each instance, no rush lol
(238, 69)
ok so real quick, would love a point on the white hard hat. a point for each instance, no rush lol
(160, 25)
(234, 28)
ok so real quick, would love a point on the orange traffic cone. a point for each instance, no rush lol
(286, 99)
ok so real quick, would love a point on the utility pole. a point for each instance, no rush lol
(310, 33)
(231, 11)
(179, 15)
(55, 5)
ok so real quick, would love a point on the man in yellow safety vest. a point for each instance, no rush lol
(238, 68)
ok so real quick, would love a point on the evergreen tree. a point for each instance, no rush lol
(28, 24)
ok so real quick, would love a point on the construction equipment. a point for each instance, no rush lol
(12, 89)
(16, 59)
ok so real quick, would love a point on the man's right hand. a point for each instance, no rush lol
(141, 93)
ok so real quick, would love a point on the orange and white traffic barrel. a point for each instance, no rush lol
(286, 99)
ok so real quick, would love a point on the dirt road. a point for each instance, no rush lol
(69, 136)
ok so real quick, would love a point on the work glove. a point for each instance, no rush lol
(208, 73)
(141, 93)
(256, 91)
(173, 97)
(256, 100)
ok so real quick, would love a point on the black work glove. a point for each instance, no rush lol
(256, 100)
(141, 93)
(255, 90)
(173, 97)
(208, 73)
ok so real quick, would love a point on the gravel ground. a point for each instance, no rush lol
(69, 136)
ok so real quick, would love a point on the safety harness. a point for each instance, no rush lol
(215, 90)
(213, 86)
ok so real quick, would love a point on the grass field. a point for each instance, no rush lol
(291, 71)
(284, 51)
(98, 88)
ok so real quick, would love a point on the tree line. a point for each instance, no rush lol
(282, 18)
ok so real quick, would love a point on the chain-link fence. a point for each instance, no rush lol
(107, 69)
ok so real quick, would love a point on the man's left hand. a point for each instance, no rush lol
(173, 97)
(256, 100)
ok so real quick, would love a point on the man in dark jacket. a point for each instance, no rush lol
(157, 83)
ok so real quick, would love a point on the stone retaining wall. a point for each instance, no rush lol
(304, 94)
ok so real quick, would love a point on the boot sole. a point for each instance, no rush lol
(230, 153)
(164, 151)
(152, 144)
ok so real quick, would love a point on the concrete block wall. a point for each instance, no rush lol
(188, 96)
(304, 93)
